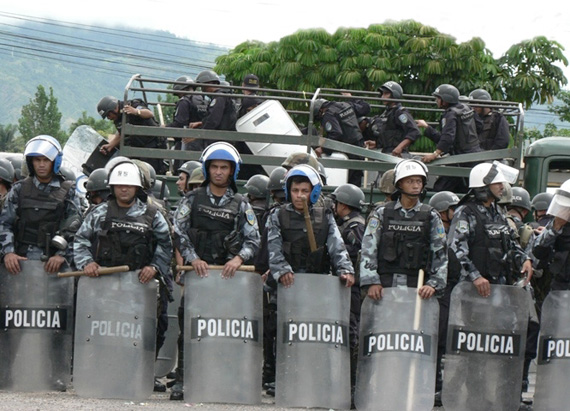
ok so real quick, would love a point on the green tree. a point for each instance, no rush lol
(102, 126)
(7, 137)
(41, 116)
(562, 111)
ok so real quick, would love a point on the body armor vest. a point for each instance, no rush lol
(125, 239)
(560, 264)
(466, 138)
(296, 247)
(489, 247)
(489, 131)
(39, 214)
(211, 224)
(346, 117)
(385, 129)
(404, 242)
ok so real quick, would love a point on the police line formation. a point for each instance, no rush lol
(418, 305)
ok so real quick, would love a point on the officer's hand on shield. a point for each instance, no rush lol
(527, 271)
(201, 267)
(91, 269)
(54, 264)
(231, 267)
(147, 273)
(287, 280)
(375, 291)
(347, 279)
(483, 287)
(12, 262)
(426, 291)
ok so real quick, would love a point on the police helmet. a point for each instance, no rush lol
(322, 172)
(256, 186)
(196, 177)
(208, 76)
(350, 195)
(157, 190)
(98, 180)
(485, 174)
(184, 79)
(43, 146)
(507, 196)
(521, 198)
(220, 151)
(300, 158)
(560, 204)
(447, 93)
(126, 174)
(317, 106)
(107, 104)
(67, 173)
(410, 167)
(146, 179)
(309, 172)
(392, 87)
(479, 94)
(541, 201)
(7, 172)
(443, 200)
(276, 179)
(152, 172)
(387, 182)
(17, 161)
(189, 166)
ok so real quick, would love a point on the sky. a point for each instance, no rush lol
(229, 22)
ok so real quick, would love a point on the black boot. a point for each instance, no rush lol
(177, 393)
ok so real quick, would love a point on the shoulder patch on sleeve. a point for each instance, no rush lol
(184, 211)
(443, 123)
(373, 223)
(328, 126)
(250, 216)
(403, 118)
(213, 103)
(440, 231)
(462, 226)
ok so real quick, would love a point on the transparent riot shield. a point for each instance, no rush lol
(36, 317)
(485, 348)
(223, 320)
(168, 353)
(313, 355)
(397, 352)
(115, 337)
(553, 370)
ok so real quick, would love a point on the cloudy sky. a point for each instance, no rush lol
(229, 22)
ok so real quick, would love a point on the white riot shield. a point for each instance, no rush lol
(398, 352)
(81, 151)
(553, 370)
(115, 337)
(485, 348)
(313, 355)
(36, 318)
(168, 353)
(223, 320)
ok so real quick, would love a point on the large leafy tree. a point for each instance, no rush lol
(562, 110)
(41, 116)
(7, 137)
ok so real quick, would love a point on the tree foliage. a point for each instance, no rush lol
(562, 111)
(8, 137)
(41, 116)
(417, 56)
(100, 125)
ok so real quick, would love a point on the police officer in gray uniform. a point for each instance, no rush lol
(214, 224)
(7, 175)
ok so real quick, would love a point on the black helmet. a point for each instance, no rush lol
(67, 173)
(386, 184)
(184, 79)
(521, 198)
(256, 186)
(276, 179)
(393, 88)
(7, 172)
(106, 104)
(541, 201)
(157, 190)
(479, 94)
(98, 180)
(17, 161)
(350, 195)
(447, 93)
(443, 200)
(317, 106)
(189, 166)
(295, 159)
(208, 76)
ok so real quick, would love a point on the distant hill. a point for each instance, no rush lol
(84, 63)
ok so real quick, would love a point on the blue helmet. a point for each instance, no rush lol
(304, 170)
(220, 151)
(44, 146)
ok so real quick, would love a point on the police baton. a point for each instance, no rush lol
(309, 224)
(246, 268)
(102, 270)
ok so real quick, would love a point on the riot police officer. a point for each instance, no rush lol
(7, 175)
(221, 112)
(540, 204)
(385, 261)
(492, 126)
(257, 194)
(184, 172)
(97, 187)
(395, 129)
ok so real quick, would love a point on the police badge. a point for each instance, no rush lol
(328, 126)
(403, 118)
(250, 217)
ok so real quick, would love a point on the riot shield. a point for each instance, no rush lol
(553, 370)
(485, 348)
(398, 351)
(36, 317)
(81, 151)
(168, 353)
(223, 320)
(313, 355)
(115, 337)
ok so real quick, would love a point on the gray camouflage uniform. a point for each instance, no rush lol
(436, 272)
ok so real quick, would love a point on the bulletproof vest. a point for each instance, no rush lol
(39, 214)
(346, 117)
(229, 117)
(346, 233)
(489, 247)
(199, 107)
(211, 224)
(259, 208)
(560, 263)
(140, 141)
(489, 130)
(404, 242)
(385, 130)
(296, 247)
(126, 239)
(466, 138)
